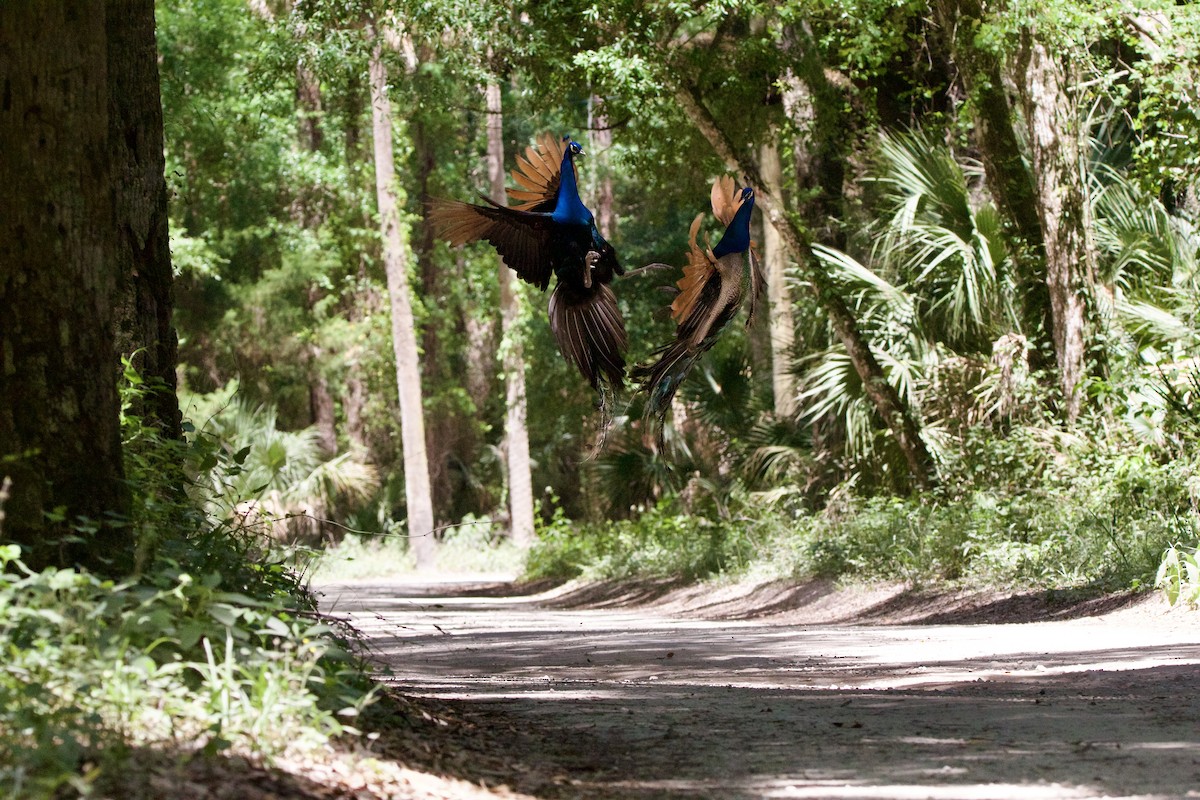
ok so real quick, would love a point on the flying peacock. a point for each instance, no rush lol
(710, 293)
(550, 231)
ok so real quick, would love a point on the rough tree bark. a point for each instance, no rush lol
(404, 338)
(59, 432)
(781, 325)
(1055, 143)
(516, 433)
(1005, 173)
(145, 288)
(883, 396)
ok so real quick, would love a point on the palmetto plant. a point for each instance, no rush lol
(1149, 262)
(278, 478)
(1148, 268)
(948, 252)
(935, 293)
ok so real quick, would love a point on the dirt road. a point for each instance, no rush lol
(826, 698)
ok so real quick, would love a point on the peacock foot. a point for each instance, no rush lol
(589, 264)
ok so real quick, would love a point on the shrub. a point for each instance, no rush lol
(661, 542)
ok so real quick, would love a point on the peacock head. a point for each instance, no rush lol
(573, 148)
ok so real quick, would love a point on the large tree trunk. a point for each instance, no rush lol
(1005, 173)
(59, 432)
(882, 395)
(145, 289)
(1007, 178)
(781, 325)
(1054, 135)
(404, 337)
(516, 433)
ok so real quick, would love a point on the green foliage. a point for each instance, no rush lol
(1030, 508)
(280, 284)
(211, 646)
(1024, 510)
(660, 543)
(474, 546)
(279, 480)
(93, 668)
(1179, 576)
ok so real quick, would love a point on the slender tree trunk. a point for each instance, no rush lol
(59, 264)
(145, 289)
(404, 338)
(443, 430)
(321, 406)
(481, 348)
(1054, 135)
(781, 325)
(353, 404)
(516, 433)
(600, 140)
(883, 395)
(308, 101)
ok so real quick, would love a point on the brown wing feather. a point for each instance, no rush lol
(520, 237)
(455, 222)
(537, 172)
(725, 200)
(699, 267)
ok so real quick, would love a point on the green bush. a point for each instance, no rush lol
(94, 667)
(660, 543)
(1033, 508)
(1099, 518)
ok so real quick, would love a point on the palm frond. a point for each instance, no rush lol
(1155, 324)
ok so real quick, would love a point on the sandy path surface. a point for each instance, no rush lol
(654, 701)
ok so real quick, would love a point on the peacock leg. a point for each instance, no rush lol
(589, 264)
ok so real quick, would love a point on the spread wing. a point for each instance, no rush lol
(696, 274)
(522, 238)
(537, 175)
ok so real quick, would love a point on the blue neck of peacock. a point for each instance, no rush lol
(737, 235)
(569, 209)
